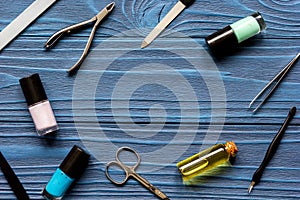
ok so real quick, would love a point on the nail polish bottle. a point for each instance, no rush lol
(69, 170)
(38, 104)
(228, 38)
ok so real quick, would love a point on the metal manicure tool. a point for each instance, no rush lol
(129, 171)
(172, 14)
(271, 150)
(96, 20)
(277, 79)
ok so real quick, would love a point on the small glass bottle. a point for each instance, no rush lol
(206, 160)
(69, 170)
(38, 104)
(228, 38)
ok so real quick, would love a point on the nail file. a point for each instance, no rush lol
(12, 179)
(172, 14)
(23, 20)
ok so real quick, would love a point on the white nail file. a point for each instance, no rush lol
(23, 20)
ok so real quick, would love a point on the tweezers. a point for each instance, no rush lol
(96, 19)
(278, 78)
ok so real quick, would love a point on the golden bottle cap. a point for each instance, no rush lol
(231, 148)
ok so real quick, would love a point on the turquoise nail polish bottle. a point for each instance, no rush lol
(69, 170)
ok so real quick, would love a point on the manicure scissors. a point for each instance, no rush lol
(130, 172)
(96, 19)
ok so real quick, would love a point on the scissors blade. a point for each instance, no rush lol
(149, 186)
(23, 20)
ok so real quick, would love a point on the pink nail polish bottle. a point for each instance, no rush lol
(38, 104)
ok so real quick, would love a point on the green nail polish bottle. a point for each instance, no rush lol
(231, 36)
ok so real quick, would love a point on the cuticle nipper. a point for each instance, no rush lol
(96, 19)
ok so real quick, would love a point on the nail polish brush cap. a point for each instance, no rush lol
(75, 162)
(222, 41)
(33, 89)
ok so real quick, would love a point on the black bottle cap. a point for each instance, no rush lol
(33, 89)
(75, 162)
(222, 41)
(187, 3)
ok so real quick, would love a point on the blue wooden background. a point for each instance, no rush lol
(244, 73)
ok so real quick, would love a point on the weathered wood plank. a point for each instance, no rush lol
(244, 73)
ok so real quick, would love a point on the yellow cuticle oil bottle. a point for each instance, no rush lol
(206, 160)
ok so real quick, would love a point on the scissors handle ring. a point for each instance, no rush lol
(128, 170)
(130, 150)
(113, 180)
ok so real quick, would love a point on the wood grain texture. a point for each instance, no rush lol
(244, 73)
